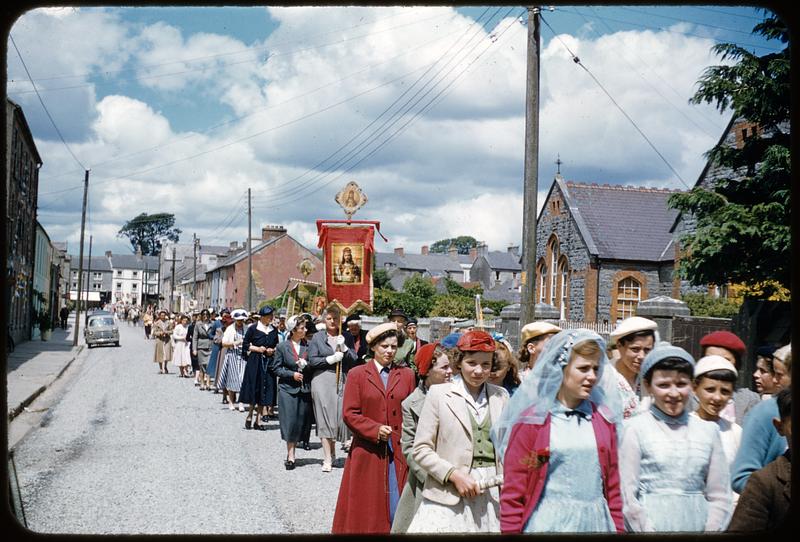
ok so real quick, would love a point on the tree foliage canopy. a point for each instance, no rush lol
(743, 232)
(146, 232)
(462, 243)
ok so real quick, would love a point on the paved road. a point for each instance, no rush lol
(122, 449)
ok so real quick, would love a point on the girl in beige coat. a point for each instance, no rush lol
(453, 446)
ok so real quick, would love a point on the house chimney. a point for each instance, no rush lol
(452, 252)
(482, 248)
(234, 246)
(513, 249)
(473, 254)
(399, 252)
(272, 232)
(424, 250)
(108, 253)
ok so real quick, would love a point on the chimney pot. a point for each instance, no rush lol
(399, 251)
(424, 250)
(108, 253)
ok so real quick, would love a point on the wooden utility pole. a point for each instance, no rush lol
(88, 276)
(531, 171)
(194, 270)
(172, 283)
(80, 264)
(249, 253)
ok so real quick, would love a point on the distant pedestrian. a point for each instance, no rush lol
(258, 347)
(290, 364)
(162, 331)
(181, 357)
(533, 338)
(147, 320)
(202, 342)
(233, 364)
(63, 314)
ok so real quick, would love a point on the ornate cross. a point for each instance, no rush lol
(351, 199)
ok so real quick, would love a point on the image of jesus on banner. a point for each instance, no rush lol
(347, 262)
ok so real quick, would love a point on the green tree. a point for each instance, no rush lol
(743, 232)
(463, 243)
(717, 307)
(454, 288)
(146, 232)
(381, 280)
(454, 306)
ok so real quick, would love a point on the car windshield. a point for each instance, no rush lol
(100, 322)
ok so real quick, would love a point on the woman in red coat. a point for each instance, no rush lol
(559, 442)
(375, 470)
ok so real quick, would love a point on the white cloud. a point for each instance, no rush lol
(455, 170)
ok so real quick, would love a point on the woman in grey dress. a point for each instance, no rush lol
(325, 351)
(202, 341)
(294, 391)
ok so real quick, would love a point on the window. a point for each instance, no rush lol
(135, 274)
(96, 286)
(97, 275)
(75, 285)
(135, 285)
(629, 293)
(563, 291)
(119, 272)
(542, 283)
(119, 286)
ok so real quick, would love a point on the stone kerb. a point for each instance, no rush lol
(662, 309)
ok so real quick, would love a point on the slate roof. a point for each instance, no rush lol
(503, 261)
(503, 291)
(435, 264)
(131, 261)
(99, 263)
(622, 222)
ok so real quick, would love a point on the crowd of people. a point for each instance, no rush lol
(567, 433)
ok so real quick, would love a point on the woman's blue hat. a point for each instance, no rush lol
(266, 310)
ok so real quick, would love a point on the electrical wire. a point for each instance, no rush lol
(383, 126)
(247, 61)
(41, 101)
(258, 110)
(610, 97)
(402, 128)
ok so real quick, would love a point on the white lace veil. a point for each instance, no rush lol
(535, 397)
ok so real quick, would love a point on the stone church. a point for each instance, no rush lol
(603, 248)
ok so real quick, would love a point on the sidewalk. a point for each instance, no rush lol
(36, 364)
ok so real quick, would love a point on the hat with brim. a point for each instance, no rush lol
(397, 313)
(662, 351)
(379, 330)
(536, 329)
(239, 314)
(353, 319)
(266, 310)
(632, 325)
(707, 364)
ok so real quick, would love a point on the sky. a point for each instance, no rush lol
(181, 110)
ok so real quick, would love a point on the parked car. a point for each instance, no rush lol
(101, 329)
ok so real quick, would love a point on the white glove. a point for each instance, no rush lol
(301, 363)
(340, 340)
(334, 358)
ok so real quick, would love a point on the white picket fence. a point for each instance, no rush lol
(601, 328)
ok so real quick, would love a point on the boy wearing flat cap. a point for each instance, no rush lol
(635, 338)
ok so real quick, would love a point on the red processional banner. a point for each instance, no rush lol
(348, 249)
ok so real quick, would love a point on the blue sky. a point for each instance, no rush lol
(182, 109)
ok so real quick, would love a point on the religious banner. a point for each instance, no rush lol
(347, 255)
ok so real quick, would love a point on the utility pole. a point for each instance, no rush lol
(80, 256)
(194, 276)
(531, 170)
(249, 253)
(172, 283)
(88, 276)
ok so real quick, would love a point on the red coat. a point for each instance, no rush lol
(363, 503)
(523, 480)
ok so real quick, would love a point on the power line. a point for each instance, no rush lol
(392, 119)
(247, 61)
(22, 60)
(662, 29)
(240, 140)
(652, 86)
(579, 63)
(661, 16)
(259, 110)
(433, 101)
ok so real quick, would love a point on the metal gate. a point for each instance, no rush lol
(688, 330)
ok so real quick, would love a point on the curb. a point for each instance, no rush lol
(13, 413)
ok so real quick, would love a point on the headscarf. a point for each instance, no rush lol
(536, 396)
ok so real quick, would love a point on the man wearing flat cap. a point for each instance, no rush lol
(406, 352)
(532, 338)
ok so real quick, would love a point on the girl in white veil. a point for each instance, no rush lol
(558, 440)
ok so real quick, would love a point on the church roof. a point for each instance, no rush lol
(622, 222)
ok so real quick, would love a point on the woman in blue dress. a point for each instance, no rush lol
(260, 341)
(558, 440)
(673, 469)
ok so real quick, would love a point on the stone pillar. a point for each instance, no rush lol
(439, 328)
(543, 311)
(662, 309)
(509, 323)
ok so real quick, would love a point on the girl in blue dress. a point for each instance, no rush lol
(672, 465)
(559, 442)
